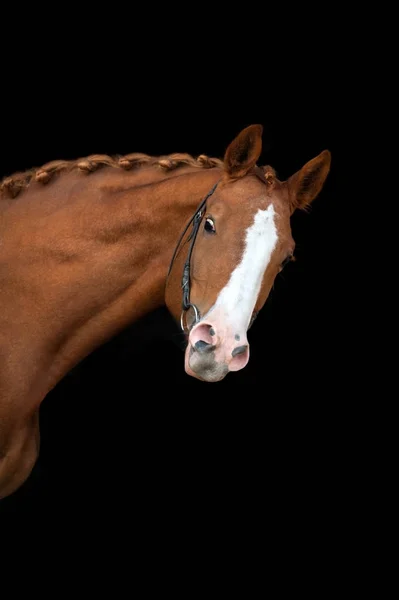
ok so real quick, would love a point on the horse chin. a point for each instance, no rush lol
(204, 368)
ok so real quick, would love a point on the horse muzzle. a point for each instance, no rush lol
(211, 355)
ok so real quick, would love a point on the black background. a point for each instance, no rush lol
(127, 431)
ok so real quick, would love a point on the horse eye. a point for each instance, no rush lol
(209, 225)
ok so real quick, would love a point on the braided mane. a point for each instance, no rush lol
(16, 183)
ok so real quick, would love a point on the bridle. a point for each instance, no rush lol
(196, 220)
(185, 282)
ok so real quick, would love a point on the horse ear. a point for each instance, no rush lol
(305, 185)
(243, 152)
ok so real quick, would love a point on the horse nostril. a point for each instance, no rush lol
(202, 346)
(239, 350)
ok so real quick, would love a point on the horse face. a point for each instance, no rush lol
(243, 242)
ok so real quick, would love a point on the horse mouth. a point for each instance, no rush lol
(204, 367)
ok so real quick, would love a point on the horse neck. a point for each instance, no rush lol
(117, 275)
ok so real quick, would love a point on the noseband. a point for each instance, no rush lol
(185, 282)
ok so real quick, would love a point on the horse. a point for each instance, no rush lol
(90, 246)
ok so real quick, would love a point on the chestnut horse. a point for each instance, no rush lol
(88, 247)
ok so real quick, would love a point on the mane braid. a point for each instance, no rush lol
(14, 184)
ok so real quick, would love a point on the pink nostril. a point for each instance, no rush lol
(239, 350)
(240, 358)
(203, 333)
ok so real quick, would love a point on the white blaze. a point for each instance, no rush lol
(237, 299)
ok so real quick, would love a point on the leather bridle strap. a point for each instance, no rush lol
(196, 220)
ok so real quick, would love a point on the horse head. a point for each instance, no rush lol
(240, 240)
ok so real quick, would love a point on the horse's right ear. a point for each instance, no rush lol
(243, 152)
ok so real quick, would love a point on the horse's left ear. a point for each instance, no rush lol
(243, 152)
(305, 185)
